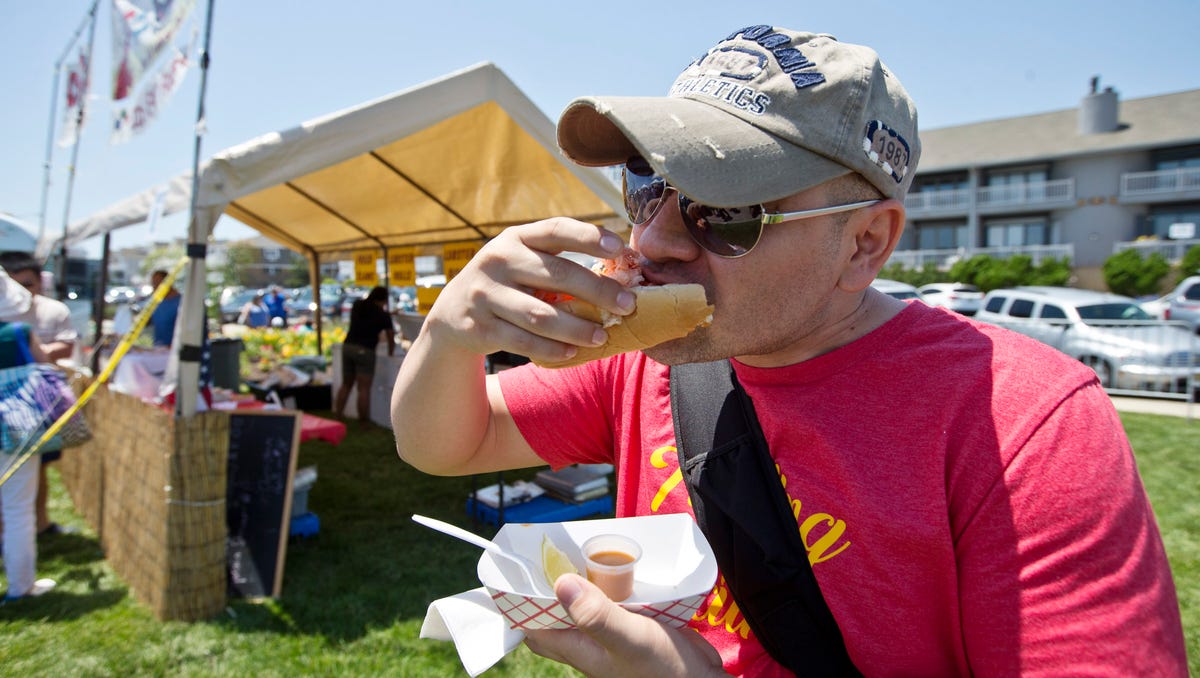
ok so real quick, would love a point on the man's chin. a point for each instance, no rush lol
(694, 348)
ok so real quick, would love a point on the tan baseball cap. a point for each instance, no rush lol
(767, 113)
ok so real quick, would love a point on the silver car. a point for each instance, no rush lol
(1110, 333)
(895, 288)
(958, 297)
(1183, 303)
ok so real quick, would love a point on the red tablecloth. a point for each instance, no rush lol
(312, 427)
(318, 428)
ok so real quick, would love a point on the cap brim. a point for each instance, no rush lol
(710, 155)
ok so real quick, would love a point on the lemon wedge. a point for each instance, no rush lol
(555, 563)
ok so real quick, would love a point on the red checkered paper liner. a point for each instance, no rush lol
(534, 614)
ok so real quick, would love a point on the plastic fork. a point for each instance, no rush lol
(527, 568)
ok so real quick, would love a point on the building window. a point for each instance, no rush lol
(270, 254)
(1160, 219)
(1016, 184)
(941, 182)
(1017, 232)
(1017, 175)
(1177, 158)
(942, 235)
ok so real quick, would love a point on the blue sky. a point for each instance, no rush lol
(276, 64)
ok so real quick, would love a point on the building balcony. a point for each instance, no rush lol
(944, 259)
(1161, 186)
(1171, 250)
(935, 203)
(1019, 197)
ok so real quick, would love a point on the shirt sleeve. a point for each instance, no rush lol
(563, 413)
(1063, 570)
(64, 330)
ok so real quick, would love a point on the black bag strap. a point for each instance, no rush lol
(743, 510)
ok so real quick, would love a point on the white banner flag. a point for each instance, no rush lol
(134, 116)
(75, 114)
(141, 30)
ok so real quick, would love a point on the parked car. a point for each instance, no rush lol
(301, 302)
(231, 306)
(120, 295)
(1156, 306)
(958, 297)
(1183, 303)
(1110, 333)
(896, 288)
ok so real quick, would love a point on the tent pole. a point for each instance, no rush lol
(61, 282)
(190, 345)
(98, 303)
(91, 17)
(314, 277)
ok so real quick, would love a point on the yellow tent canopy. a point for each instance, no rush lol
(458, 158)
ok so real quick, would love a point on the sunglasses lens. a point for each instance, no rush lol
(725, 231)
(643, 190)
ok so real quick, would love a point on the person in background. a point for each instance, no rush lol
(50, 320)
(163, 318)
(1000, 528)
(369, 319)
(276, 306)
(254, 313)
(18, 495)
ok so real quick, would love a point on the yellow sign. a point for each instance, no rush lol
(402, 266)
(455, 256)
(425, 298)
(364, 268)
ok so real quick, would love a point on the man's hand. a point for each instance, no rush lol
(490, 306)
(611, 641)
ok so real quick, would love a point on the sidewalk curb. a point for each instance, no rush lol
(1164, 406)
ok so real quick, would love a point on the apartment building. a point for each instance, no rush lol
(1082, 183)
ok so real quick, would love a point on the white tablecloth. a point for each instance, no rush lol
(386, 368)
(140, 373)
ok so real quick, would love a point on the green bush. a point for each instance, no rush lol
(970, 270)
(1133, 275)
(1190, 264)
(986, 272)
(913, 276)
(1056, 272)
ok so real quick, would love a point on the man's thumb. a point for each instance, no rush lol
(586, 604)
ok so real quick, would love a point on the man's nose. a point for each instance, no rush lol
(665, 237)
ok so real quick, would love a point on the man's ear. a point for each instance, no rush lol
(876, 231)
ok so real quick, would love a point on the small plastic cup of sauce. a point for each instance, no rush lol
(611, 560)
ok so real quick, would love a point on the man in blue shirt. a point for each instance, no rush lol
(275, 305)
(163, 318)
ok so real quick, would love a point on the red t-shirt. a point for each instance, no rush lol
(968, 497)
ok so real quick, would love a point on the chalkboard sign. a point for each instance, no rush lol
(262, 462)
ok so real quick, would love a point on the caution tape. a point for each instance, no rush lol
(123, 346)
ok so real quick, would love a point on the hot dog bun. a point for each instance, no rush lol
(663, 313)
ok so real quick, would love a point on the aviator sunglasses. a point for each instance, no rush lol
(728, 232)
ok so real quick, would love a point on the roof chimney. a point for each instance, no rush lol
(1098, 110)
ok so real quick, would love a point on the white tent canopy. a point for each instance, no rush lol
(458, 158)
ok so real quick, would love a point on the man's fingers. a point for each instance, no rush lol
(560, 234)
(570, 646)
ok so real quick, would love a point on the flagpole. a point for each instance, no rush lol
(61, 283)
(194, 325)
(51, 125)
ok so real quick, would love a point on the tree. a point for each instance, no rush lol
(164, 257)
(296, 274)
(1190, 263)
(1129, 273)
(238, 258)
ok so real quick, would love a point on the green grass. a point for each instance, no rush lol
(354, 596)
